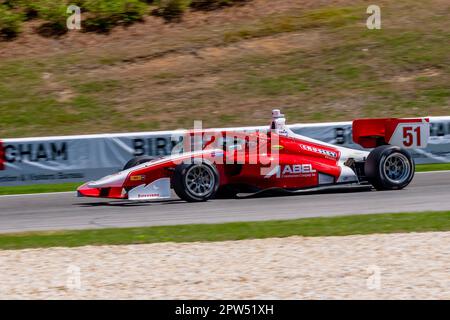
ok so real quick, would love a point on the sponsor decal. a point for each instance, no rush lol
(319, 150)
(32, 152)
(137, 178)
(159, 146)
(292, 171)
(158, 189)
(277, 147)
(151, 195)
(2, 157)
(34, 177)
(411, 135)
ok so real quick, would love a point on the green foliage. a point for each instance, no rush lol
(105, 14)
(213, 4)
(172, 9)
(271, 86)
(29, 8)
(54, 12)
(10, 22)
(9, 3)
(331, 60)
(275, 24)
(101, 15)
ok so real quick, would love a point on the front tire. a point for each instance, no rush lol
(137, 161)
(389, 168)
(196, 182)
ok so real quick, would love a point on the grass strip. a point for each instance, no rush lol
(310, 227)
(432, 167)
(39, 188)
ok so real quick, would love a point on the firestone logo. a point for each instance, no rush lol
(318, 150)
(152, 195)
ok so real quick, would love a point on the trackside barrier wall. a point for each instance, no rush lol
(27, 161)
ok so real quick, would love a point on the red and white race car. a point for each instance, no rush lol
(226, 163)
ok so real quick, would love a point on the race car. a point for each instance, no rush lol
(227, 163)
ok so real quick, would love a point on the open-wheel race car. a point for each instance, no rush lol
(226, 163)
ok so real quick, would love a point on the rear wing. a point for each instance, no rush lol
(405, 133)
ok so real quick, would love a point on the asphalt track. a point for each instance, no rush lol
(428, 191)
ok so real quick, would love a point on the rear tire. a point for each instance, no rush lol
(195, 182)
(389, 168)
(137, 161)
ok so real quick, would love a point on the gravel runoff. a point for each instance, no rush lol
(390, 266)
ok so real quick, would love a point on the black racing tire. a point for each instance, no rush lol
(188, 184)
(389, 168)
(137, 161)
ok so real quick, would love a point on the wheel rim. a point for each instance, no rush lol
(397, 168)
(200, 180)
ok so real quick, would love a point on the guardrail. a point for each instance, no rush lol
(26, 161)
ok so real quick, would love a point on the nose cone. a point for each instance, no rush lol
(113, 181)
(109, 186)
(86, 191)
